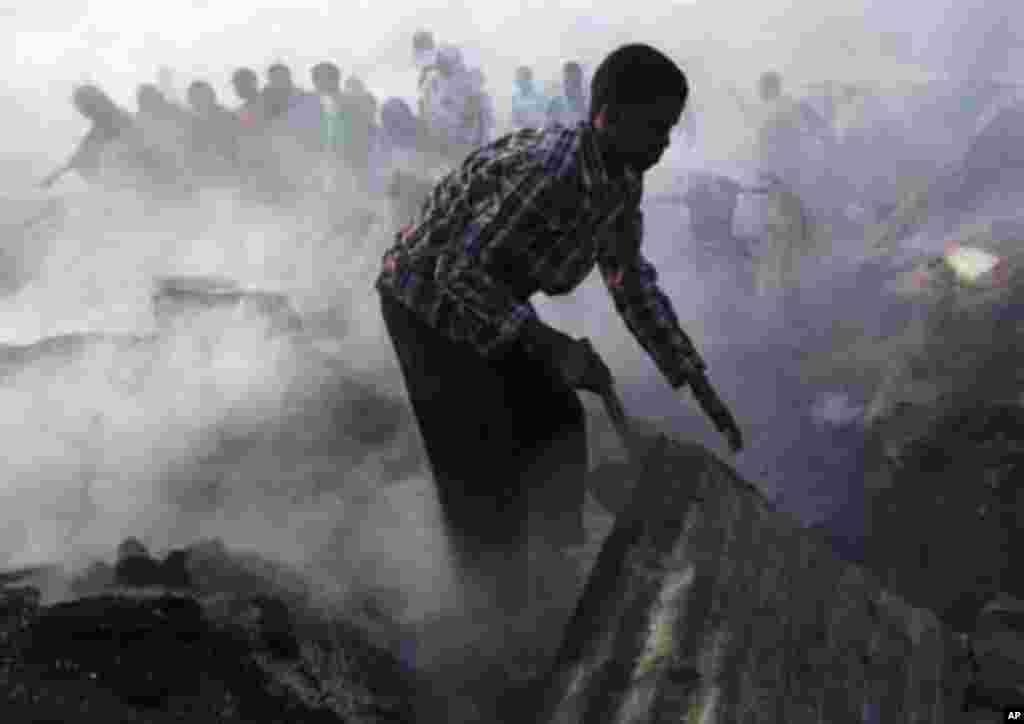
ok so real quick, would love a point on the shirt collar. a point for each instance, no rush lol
(595, 173)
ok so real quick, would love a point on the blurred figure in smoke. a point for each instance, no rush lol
(790, 154)
(477, 120)
(424, 58)
(529, 106)
(280, 92)
(109, 124)
(251, 116)
(787, 129)
(401, 133)
(424, 53)
(453, 109)
(246, 84)
(214, 135)
(335, 119)
(362, 129)
(488, 118)
(402, 166)
(493, 388)
(570, 107)
(165, 128)
(293, 134)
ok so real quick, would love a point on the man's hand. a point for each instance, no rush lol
(715, 409)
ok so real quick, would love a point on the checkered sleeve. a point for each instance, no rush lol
(644, 308)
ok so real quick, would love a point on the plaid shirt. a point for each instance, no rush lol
(533, 211)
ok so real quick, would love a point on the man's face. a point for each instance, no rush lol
(280, 78)
(770, 87)
(201, 99)
(247, 87)
(638, 135)
(326, 82)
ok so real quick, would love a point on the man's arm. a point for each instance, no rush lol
(648, 313)
(633, 284)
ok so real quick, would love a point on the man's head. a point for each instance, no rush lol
(279, 76)
(422, 41)
(637, 96)
(423, 50)
(149, 98)
(770, 86)
(201, 97)
(524, 79)
(449, 60)
(93, 103)
(246, 84)
(326, 77)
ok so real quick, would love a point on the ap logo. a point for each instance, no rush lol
(1015, 716)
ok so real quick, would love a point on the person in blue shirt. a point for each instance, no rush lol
(529, 106)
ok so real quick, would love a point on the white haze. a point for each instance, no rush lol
(97, 275)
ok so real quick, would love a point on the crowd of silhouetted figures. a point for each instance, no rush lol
(277, 138)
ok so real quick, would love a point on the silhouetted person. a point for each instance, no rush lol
(214, 133)
(529, 106)
(109, 123)
(280, 91)
(362, 127)
(165, 128)
(335, 119)
(570, 107)
(246, 84)
(424, 58)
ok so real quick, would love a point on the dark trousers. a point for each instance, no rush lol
(506, 439)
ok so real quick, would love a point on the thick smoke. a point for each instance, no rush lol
(98, 443)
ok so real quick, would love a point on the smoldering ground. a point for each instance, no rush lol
(117, 423)
(121, 436)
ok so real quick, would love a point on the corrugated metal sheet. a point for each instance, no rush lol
(706, 605)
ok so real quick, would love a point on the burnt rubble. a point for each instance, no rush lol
(142, 648)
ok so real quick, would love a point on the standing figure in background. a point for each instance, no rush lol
(791, 145)
(569, 107)
(424, 56)
(292, 133)
(790, 133)
(449, 97)
(108, 125)
(165, 129)
(335, 121)
(529, 106)
(401, 168)
(246, 84)
(481, 116)
(252, 152)
(280, 92)
(363, 126)
(213, 139)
